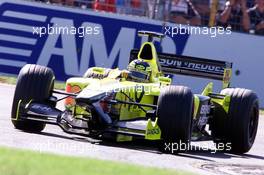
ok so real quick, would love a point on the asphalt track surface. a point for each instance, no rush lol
(53, 140)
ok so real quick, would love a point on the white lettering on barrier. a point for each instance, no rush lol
(67, 51)
(97, 44)
(92, 44)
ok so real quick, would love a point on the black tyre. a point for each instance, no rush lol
(33, 82)
(175, 106)
(236, 131)
(90, 73)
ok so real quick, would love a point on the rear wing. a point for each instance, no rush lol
(192, 66)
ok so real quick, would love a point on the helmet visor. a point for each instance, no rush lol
(139, 76)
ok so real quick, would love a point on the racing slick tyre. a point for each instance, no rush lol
(33, 82)
(175, 106)
(91, 74)
(236, 131)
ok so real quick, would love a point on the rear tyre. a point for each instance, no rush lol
(34, 82)
(236, 131)
(175, 105)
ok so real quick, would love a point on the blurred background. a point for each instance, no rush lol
(242, 15)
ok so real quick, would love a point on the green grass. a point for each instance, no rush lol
(59, 85)
(17, 162)
(262, 112)
(12, 80)
(8, 79)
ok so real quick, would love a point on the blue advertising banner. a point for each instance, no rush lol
(71, 40)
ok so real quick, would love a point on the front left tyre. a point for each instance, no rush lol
(34, 82)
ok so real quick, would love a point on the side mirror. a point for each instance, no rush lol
(165, 80)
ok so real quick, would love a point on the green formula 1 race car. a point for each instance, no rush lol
(141, 103)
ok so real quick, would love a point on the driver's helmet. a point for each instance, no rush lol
(139, 71)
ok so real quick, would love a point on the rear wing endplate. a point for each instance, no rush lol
(192, 66)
